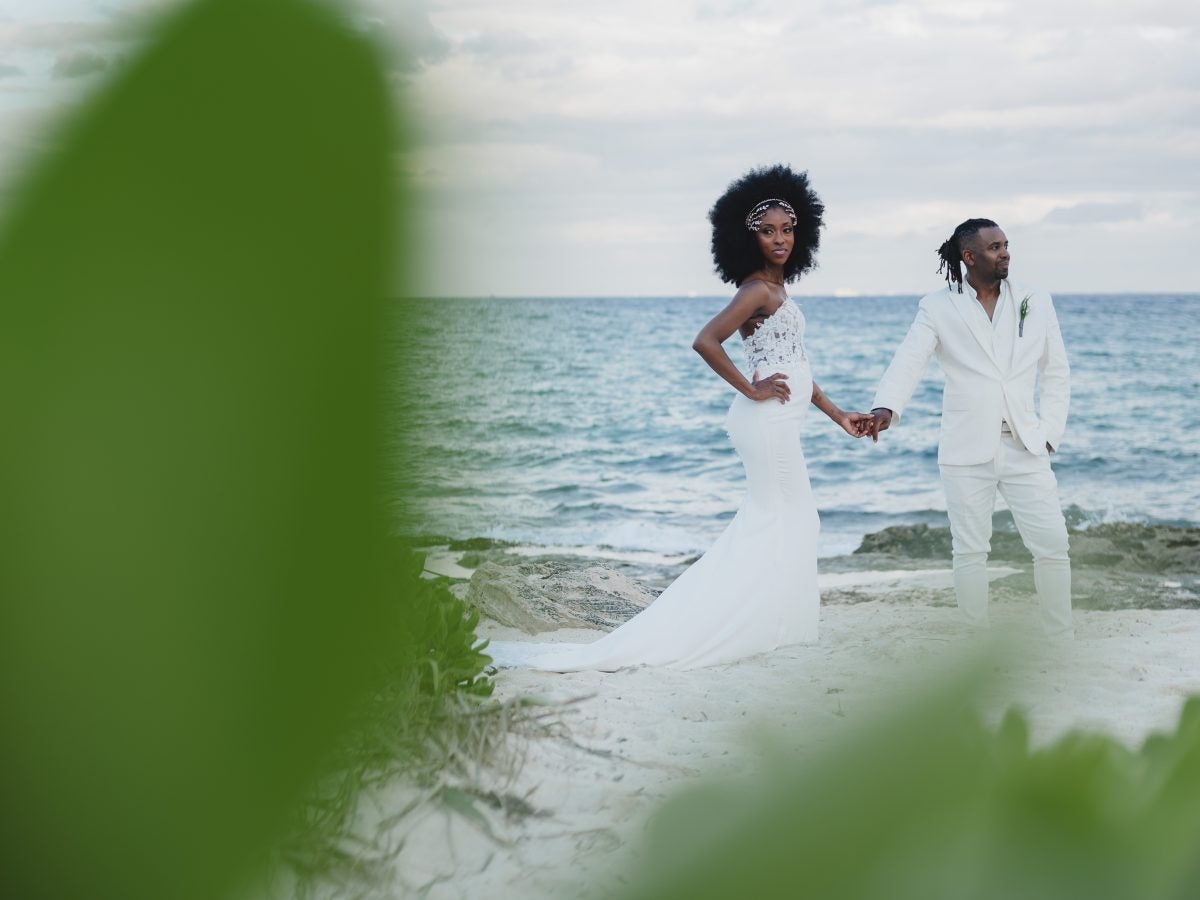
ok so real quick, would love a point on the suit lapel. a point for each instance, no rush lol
(961, 304)
(1009, 312)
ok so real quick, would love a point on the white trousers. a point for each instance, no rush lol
(1031, 491)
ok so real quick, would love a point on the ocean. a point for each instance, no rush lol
(588, 426)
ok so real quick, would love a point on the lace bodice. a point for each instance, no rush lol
(778, 341)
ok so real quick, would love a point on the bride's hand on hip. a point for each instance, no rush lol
(773, 387)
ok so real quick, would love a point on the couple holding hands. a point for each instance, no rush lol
(999, 346)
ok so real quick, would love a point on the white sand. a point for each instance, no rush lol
(639, 735)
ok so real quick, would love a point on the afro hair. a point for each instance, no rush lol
(735, 251)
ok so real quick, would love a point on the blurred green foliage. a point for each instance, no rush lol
(428, 692)
(195, 581)
(202, 610)
(931, 805)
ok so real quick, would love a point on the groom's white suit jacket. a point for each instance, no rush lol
(984, 387)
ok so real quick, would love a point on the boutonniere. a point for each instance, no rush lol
(1024, 313)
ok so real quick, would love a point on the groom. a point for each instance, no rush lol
(995, 343)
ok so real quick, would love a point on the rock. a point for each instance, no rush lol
(543, 596)
(918, 541)
(1122, 565)
(1154, 549)
(1126, 546)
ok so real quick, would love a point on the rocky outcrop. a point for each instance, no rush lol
(1121, 565)
(1156, 549)
(543, 596)
(913, 541)
(1127, 546)
(1114, 566)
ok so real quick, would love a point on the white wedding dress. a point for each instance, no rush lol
(756, 588)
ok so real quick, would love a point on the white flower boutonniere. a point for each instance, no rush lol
(1024, 313)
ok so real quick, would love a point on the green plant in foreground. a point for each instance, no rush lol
(427, 719)
(195, 578)
(931, 805)
(440, 631)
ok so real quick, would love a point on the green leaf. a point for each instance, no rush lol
(191, 384)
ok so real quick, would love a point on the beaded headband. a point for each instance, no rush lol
(756, 215)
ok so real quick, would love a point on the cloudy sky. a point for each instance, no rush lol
(574, 149)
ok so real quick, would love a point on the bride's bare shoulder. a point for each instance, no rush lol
(754, 295)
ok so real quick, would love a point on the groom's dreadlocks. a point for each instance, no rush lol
(950, 253)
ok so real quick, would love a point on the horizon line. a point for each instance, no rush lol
(697, 296)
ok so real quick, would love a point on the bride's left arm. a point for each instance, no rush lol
(854, 424)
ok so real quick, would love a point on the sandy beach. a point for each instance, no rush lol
(568, 819)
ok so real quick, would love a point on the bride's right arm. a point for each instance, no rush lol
(708, 344)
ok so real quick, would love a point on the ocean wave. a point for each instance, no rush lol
(626, 450)
(1081, 519)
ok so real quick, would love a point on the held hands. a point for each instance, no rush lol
(881, 420)
(855, 424)
(775, 387)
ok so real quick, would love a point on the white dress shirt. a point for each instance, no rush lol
(1003, 326)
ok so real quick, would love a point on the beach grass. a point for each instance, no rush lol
(429, 724)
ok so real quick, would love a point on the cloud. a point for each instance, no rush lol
(909, 116)
(79, 63)
(130, 19)
(408, 30)
(478, 166)
(637, 230)
(44, 35)
(501, 43)
(726, 10)
(1094, 214)
(7, 71)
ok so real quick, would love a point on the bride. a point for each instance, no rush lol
(756, 588)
